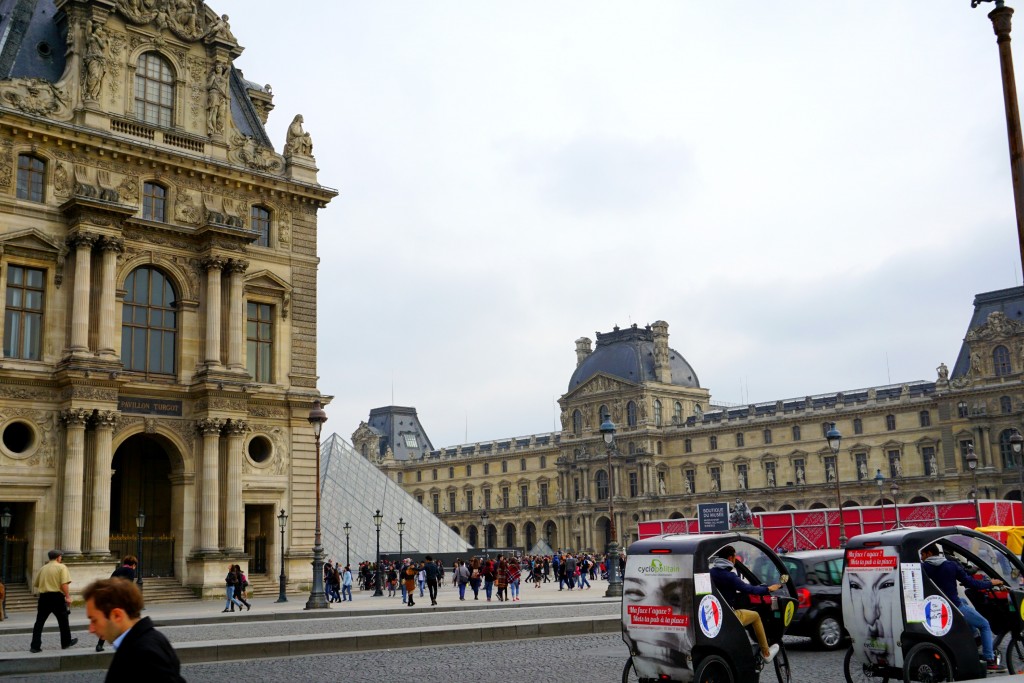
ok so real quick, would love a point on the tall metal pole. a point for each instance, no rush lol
(879, 479)
(611, 555)
(5, 523)
(317, 597)
(1001, 18)
(834, 438)
(972, 464)
(379, 593)
(140, 522)
(282, 519)
(895, 491)
(348, 529)
(483, 524)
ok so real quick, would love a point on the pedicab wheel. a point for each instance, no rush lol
(856, 672)
(629, 673)
(781, 662)
(713, 669)
(927, 663)
(1015, 655)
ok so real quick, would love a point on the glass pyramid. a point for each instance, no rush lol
(352, 489)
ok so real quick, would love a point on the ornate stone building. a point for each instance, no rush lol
(676, 448)
(159, 265)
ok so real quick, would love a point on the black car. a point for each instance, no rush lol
(818, 578)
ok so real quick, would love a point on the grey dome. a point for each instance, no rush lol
(629, 354)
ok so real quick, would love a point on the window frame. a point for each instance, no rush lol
(260, 224)
(1001, 363)
(130, 309)
(258, 344)
(30, 181)
(24, 312)
(154, 207)
(160, 104)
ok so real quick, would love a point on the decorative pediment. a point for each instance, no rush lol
(246, 151)
(36, 97)
(266, 283)
(996, 327)
(186, 20)
(601, 383)
(33, 244)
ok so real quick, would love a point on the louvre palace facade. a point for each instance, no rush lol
(158, 260)
(676, 447)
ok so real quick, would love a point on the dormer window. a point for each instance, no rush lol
(154, 90)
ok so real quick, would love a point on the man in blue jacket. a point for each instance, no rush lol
(730, 586)
(945, 575)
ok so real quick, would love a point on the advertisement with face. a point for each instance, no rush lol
(871, 605)
(657, 597)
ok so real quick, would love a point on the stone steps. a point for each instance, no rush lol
(20, 598)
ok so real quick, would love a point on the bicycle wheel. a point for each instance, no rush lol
(927, 663)
(781, 661)
(629, 673)
(857, 672)
(713, 669)
(1015, 655)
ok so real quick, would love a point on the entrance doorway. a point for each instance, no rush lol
(140, 490)
(260, 528)
(14, 554)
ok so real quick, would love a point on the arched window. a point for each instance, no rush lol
(261, 225)
(631, 413)
(601, 479)
(149, 322)
(1005, 405)
(603, 415)
(577, 422)
(510, 536)
(154, 90)
(154, 202)
(961, 409)
(677, 413)
(31, 174)
(657, 413)
(1001, 361)
(1006, 450)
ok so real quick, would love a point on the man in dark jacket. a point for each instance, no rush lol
(431, 570)
(945, 575)
(730, 586)
(114, 607)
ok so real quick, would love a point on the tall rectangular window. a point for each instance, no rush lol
(687, 445)
(716, 479)
(469, 501)
(691, 481)
(469, 470)
(451, 472)
(862, 466)
(634, 485)
(154, 206)
(31, 173)
(575, 488)
(767, 436)
(487, 468)
(524, 494)
(451, 502)
(830, 469)
(895, 466)
(259, 341)
(437, 503)
(769, 474)
(542, 493)
(261, 225)
(928, 453)
(419, 475)
(487, 499)
(435, 474)
(504, 497)
(23, 315)
(504, 466)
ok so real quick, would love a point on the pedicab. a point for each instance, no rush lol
(679, 627)
(903, 627)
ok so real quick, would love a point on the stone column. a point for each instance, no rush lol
(208, 511)
(213, 267)
(82, 244)
(108, 295)
(234, 508)
(74, 475)
(236, 314)
(105, 423)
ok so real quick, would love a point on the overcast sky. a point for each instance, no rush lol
(810, 193)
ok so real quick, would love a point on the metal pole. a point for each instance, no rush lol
(977, 505)
(317, 597)
(3, 571)
(378, 593)
(138, 550)
(281, 595)
(611, 559)
(348, 562)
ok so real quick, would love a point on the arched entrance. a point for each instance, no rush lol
(531, 535)
(142, 483)
(551, 534)
(604, 526)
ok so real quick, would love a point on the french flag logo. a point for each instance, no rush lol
(710, 615)
(938, 616)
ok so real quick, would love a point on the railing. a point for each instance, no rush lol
(256, 548)
(130, 128)
(157, 557)
(191, 144)
(17, 560)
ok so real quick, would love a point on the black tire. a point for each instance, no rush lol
(629, 673)
(828, 632)
(856, 673)
(713, 669)
(1015, 655)
(927, 663)
(781, 662)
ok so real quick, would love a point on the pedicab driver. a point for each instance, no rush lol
(945, 574)
(731, 585)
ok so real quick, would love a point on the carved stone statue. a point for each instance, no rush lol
(217, 98)
(689, 485)
(740, 514)
(298, 143)
(771, 478)
(800, 475)
(897, 468)
(95, 60)
(975, 363)
(220, 29)
(932, 465)
(661, 485)
(714, 483)
(743, 480)
(943, 372)
(862, 471)
(830, 473)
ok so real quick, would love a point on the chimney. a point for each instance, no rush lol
(582, 350)
(662, 368)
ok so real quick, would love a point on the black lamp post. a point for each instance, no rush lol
(401, 530)
(1016, 442)
(140, 524)
(317, 598)
(5, 524)
(348, 530)
(378, 519)
(880, 480)
(282, 520)
(483, 529)
(611, 553)
(894, 489)
(972, 465)
(834, 438)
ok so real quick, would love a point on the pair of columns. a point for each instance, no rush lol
(211, 430)
(236, 312)
(82, 244)
(75, 422)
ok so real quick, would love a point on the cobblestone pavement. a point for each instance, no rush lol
(594, 659)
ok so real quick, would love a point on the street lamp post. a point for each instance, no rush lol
(483, 528)
(140, 524)
(972, 465)
(5, 524)
(880, 480)
(894, 489)
(611, 555)
(834, 438)
(401, 530)
(377, 520)
(348, 530)
(282, 520)
(1016, 442)
(317, 597)
(1001, 20)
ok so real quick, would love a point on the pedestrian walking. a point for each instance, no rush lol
(501, 580)
(410, 573)
(462, 575)
(346, 584)
(230, 583)
(421, 578)
(474, 577)
(53, 583)
(125, 571)
(392, 580)
(432, 577)
(114, 608)
(514, 574)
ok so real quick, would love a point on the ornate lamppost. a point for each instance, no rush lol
(611, 555)
(348, 530)
(401, 530)
(5, 524)
(282, 520)
(1016, 443)
(317, 597)
(894, 489)
(880, 481)
(378, 519)
(972, 465)
(140, 524)
(483, 528)
(834, 438)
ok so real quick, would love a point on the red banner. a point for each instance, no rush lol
(652, 616)
(869, 558)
